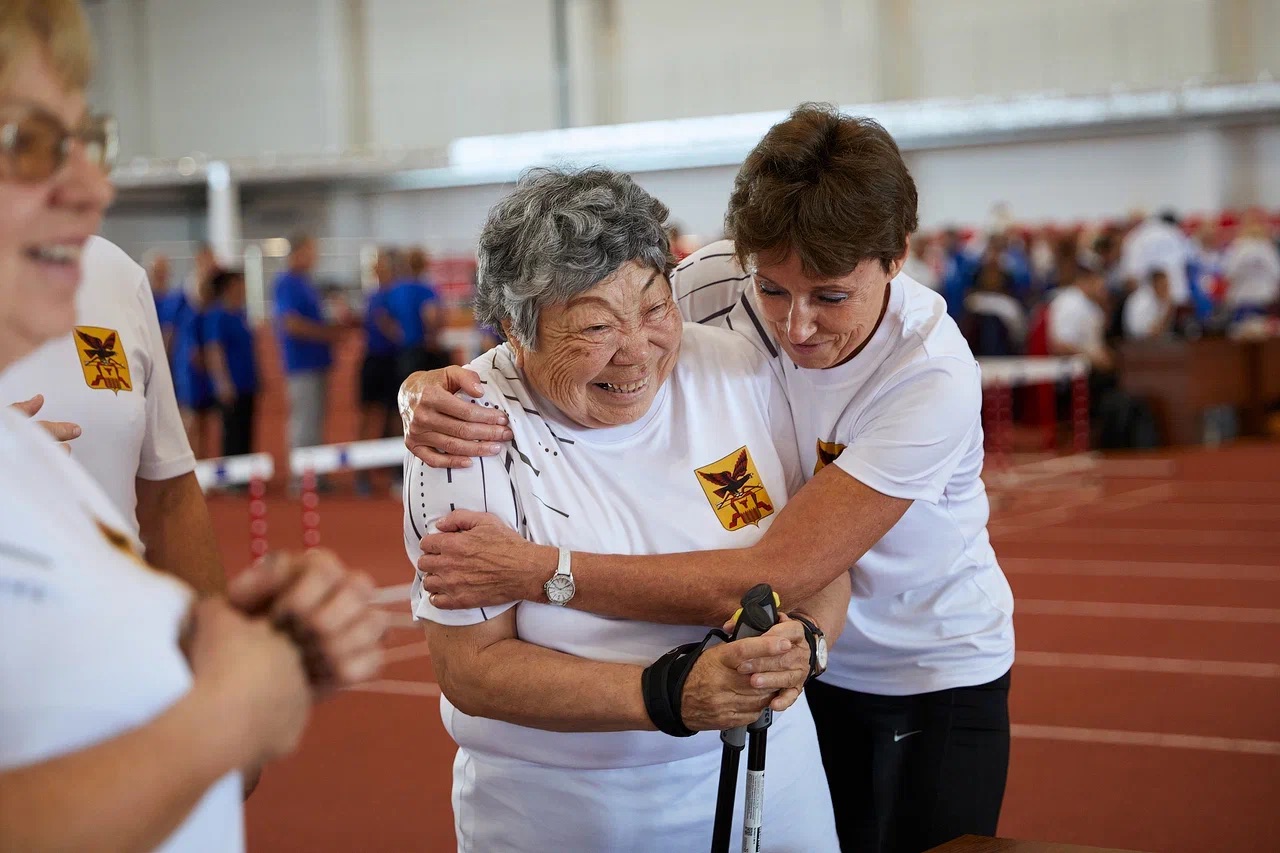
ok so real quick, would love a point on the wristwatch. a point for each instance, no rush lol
(817, 644)
(560, 588)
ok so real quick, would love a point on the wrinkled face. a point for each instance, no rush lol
(603, 355)
(821, 323)
(44, 224)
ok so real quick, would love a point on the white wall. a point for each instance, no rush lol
(233, 77)
(439, 69)
(1003, 47)
(240, 77)
(678, 58)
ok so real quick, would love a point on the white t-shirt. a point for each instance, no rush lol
(1157, 245)
(89, 633)
(1252, 265)
(1142, 311)
(1076, 321)
(120, 393)
(931, 608)
(631, 489)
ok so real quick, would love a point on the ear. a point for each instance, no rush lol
(896, 265)
(516, 346)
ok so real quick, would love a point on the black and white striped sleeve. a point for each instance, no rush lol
(708, 283)
(431, 494)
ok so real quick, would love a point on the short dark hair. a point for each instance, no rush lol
(222, 281)
(832, 188)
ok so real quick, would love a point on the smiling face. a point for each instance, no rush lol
(602, 356)
(821, 323)
(44, 224)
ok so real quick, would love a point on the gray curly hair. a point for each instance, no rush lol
(558, 234)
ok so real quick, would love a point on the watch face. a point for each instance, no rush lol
(559, 589)
(822, 653)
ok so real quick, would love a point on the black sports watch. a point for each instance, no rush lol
(817, 645)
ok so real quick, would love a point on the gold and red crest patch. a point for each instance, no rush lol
(827, 453)
(103, 359)
(734, 488)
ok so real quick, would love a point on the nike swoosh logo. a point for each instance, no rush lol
(897, 737)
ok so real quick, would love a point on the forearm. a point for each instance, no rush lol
(800, 555)
(216, 360)
(178, 533)
(300, 327)
(528, 685)
(829, 608)
(696, 588)
(128, 793)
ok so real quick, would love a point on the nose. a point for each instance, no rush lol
(83, 186)
(635, 347)
(800, 323)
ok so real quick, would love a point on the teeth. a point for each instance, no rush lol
(630, 388)
(58, 254)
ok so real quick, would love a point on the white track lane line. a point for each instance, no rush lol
(1081, 532)
(1138, 569)
(1126, 738)
(1125, 610)
(1010, 524)
(392, 594)
(401, 688)
(1125, 663)
(412, 651)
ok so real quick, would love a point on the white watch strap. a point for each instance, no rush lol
(564, 564)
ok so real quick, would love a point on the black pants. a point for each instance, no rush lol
(908, 773)
(237, 425)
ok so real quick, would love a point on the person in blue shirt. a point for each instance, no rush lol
(231, 361)
(190, 377)
(305, 338)
(168, 302)
(379, 373)
(418, 312)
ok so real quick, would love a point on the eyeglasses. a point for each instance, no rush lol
(35, 144)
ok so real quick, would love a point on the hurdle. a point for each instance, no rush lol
(253, 470)
(308, 464)
(1000, 375)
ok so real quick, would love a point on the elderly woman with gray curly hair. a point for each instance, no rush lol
(633, 434)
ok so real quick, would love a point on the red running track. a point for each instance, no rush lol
(1146, 696)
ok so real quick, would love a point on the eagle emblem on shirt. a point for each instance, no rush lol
(734, 489)
(827, 453)
(102, 357)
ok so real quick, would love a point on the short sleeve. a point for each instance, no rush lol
(431, 494)
(211, 327)
(1065, 323)
(913, 436)
(165, 453)
(708, 284)
(286, 296)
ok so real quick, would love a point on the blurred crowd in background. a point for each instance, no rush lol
(1013, 289)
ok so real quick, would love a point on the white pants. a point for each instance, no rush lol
(503, 805)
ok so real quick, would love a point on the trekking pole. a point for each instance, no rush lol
(758, 614)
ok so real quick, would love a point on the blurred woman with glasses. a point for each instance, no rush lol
(127, 715)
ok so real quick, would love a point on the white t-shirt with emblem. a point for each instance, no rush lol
(931, 609)
(632, 489)
(89, 633)
(709, 466)
(112, 378)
